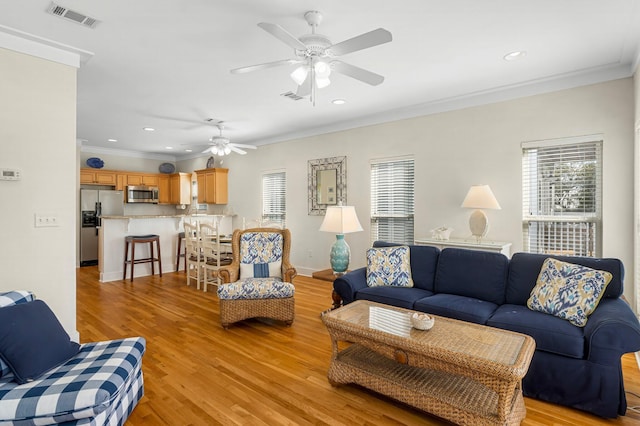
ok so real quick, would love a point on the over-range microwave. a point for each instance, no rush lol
(142, 194)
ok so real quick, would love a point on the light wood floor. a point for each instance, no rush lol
(255, 373)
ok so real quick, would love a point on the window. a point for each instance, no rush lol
(274, 195)
(392, 182)
(562, 196)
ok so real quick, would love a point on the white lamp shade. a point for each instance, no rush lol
(299, 75)
(341, 220)
(480, 197)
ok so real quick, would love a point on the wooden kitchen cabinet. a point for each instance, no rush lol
(174, 188)
(146, 179)
(164, 190)
(213, 186)
(97, 177)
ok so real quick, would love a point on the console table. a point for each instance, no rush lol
(464, 243)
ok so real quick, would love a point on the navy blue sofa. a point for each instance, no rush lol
(572, 366)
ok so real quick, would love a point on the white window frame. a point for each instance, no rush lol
(393, 200)
(562, 211)
(274, 211)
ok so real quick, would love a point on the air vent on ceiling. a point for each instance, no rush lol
(72, 15)
(291, 96)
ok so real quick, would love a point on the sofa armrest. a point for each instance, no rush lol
(611, 331)
(229, 273)
(347, 285)
(289, 272)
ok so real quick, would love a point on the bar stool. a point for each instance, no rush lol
(180, 254)
(132, 240)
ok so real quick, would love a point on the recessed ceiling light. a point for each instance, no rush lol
(512, 56)
(188, 150)
(148, 129)
(112, 140)
(168, 147)
(338, 101)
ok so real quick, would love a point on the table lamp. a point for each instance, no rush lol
(340, 220)
(480, 197)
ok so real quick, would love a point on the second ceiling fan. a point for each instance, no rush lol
(222, 145)
(315, 55)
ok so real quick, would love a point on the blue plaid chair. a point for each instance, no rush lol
(257, 283)
(100, 385)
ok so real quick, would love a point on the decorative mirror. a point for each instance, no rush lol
(327, 184)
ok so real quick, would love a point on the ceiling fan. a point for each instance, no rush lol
(315, 54)
(222, 145)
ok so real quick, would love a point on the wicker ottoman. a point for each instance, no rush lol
(256, 298)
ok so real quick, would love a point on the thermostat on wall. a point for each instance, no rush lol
(10, 174)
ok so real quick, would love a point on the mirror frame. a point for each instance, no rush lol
(332, 163)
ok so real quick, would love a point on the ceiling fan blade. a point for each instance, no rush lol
(363, 41)
(234, 149)
(357, 73)
(206, 150)
(250, 68)
(241, 145)
(283, 35)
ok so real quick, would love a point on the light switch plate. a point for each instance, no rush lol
(46, 220)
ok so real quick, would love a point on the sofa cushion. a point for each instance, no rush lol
(32, 340)
(404, 297)
(80, 389)
(477, 274)
(389, 266)
(524, 269)
(568, 291)
(458, 307)
(551, 334)
(424, 260)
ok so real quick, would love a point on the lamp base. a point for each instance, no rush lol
(479, 224)
(340, 255)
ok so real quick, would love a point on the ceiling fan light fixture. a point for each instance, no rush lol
(227, 150)
(322, 69)
(299, 75)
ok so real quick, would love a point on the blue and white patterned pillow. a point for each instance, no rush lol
(568, 291)
(263, 249)
(389, 266)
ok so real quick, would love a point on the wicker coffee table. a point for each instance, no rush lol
(464, 372)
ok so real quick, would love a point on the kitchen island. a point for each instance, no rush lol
(114, 229)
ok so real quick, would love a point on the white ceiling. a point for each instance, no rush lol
(165, 63)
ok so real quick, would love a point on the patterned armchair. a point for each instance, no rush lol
(257, 283)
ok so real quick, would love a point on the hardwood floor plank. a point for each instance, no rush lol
(258, 372)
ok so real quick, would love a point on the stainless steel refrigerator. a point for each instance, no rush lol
(93, 204)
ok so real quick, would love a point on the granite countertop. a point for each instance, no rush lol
(157, 216)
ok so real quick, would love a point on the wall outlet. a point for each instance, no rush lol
(46, 221)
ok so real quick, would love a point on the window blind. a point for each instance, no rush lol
(274, 198)
(392, 200)
(562, 197)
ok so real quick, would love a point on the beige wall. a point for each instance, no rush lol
(452, 151)
(38, 136)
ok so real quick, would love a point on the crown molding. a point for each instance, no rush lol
(22, 42)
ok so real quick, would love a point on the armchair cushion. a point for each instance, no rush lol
(32, 340)
(256, 288)
(261, 248)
